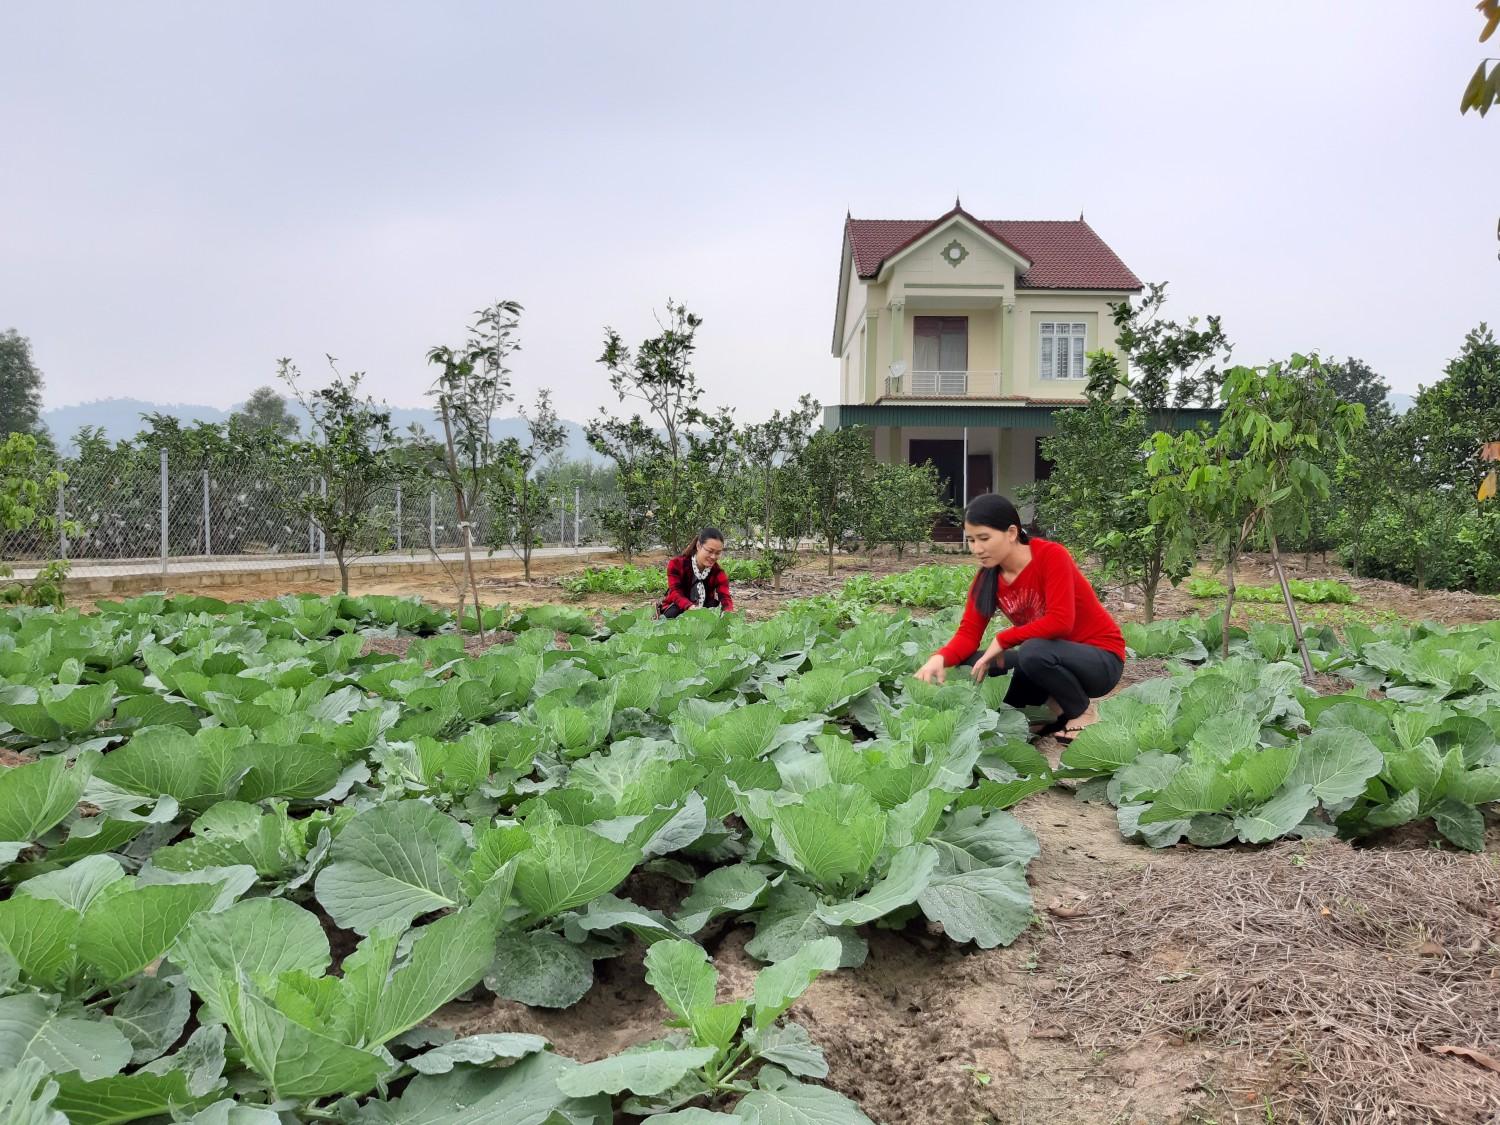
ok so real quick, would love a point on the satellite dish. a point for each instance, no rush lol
(898, 369)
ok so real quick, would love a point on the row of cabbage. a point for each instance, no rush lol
(222, 797)
(1241, 750)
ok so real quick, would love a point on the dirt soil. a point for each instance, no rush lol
(1377, 600)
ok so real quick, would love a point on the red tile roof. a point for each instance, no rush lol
(1064, 254)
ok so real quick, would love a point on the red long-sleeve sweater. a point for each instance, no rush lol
(1049, 598)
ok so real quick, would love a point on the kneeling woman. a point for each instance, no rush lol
(1062, 649)
(695, 579)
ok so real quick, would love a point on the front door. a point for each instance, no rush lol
(981, 475)
(947, 457)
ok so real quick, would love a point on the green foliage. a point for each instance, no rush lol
(522, 502)
(659, 373)
(1238, 750)
(1170, 365)
(935, 586)
(20, 389)
(1483, 88)
(1313, 591)
(1258, 472)
(350, 454)
(1099, 497)
(631, 579)
(710, 1060)
(770, 507)
(901, 504)
(1409, 512)
(837, 468)
(29, 483)
(637, 451)
(265, 410)
(458, 822)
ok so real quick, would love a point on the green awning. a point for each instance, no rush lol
(958, 415)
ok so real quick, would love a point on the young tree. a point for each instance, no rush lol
(660, 374)
(265, 410)
(349, 454)
(902, 504)
(20, 389)
(770, 451)
(637, 451)
(1098, 498)
(473, 386)
(709, 472)
(1171, 365)
(836, 467)
(29, 480)
(522, 503)
(1259, 471)
(1412, 487)
(1354, 380)
(1461, 411)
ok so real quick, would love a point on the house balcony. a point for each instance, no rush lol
(944, 384)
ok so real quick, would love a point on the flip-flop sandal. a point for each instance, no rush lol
(1057, 728)
(1058, 731)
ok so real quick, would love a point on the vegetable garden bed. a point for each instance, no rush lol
(270, 858)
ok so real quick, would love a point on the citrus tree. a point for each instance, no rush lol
(351, 452)
(28, 483)
(1259, 472)
(1098, 499)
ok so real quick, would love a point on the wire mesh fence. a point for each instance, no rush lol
(142, 517)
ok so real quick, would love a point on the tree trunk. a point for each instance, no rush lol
(1228, 603)
(1291, 607)
(461, 503)
(1148, 594)
(830, 556)
(343, 572)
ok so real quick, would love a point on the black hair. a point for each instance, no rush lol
(704, 535)
(993, 510)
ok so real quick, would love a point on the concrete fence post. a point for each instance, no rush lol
(165, 547)
(208, 520)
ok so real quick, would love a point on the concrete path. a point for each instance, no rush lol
(190, 565)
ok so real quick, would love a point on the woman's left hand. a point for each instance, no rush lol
(983, 664)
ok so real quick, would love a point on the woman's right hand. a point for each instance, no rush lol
(933, 670)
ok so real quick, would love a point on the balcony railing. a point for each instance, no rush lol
(944, 384)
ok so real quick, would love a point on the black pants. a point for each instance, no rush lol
(1066, 672)
(677, 611)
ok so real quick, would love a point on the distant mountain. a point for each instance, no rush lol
(121, 418)
(1401, 403)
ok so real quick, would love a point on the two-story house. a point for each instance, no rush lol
(958, 337)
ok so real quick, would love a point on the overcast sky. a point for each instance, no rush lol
(192, 190)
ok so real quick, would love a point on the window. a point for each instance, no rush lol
(1062, 346)
(940, 354)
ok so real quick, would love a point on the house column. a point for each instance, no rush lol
(873, 389)
(898, 330)
(1000, 335)
(1009, 383)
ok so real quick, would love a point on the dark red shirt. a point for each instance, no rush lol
(1049, 598)
(680, 586)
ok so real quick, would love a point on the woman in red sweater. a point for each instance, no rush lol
(1062, 648)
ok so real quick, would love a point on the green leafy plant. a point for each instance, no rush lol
(736, 1050)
